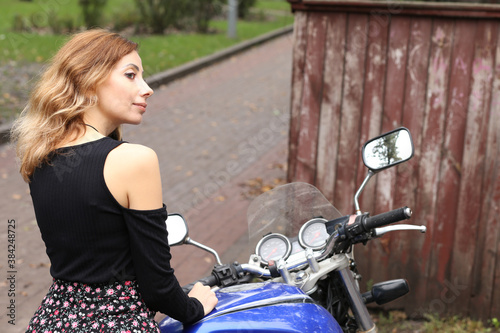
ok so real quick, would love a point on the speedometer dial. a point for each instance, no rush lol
(313, 234)
(273, 247)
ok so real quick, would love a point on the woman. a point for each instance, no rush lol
(98, 200)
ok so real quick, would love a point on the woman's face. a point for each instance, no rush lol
(122, 97)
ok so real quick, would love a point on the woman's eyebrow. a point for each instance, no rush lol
(133, 65)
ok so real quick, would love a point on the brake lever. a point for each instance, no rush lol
(377, 232)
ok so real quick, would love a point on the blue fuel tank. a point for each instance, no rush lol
(261, 307)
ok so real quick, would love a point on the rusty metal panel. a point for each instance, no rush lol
(392, 186)
(331, 104)
(448, 196)
(473, 163)
(352, 93)
(487, 270)
(299, 56)
(371, 124)
(439, 77)
(311, 98)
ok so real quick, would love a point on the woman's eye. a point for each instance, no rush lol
(130, 75)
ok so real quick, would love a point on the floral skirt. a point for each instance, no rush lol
(78, 307)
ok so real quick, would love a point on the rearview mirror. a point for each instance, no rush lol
(177, 229)
(388, 149)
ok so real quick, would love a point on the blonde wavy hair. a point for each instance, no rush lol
(65, 90)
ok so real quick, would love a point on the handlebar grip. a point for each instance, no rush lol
(393, 216)
(210, 281)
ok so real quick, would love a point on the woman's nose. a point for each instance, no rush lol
(146, 90)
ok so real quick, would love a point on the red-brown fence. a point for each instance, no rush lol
(364, 68)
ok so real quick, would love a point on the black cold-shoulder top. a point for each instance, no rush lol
(91, 238)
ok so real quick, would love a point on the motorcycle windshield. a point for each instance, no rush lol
(285, 209)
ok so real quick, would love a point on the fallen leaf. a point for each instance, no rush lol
(266, 188)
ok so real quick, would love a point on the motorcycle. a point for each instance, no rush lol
(302, 276)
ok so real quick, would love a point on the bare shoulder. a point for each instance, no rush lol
(133, 157)
(132, 173)
(132, 151)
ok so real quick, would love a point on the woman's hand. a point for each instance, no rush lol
(206, 297)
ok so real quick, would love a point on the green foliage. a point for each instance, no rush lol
(20, 23)
(92, 12)
(160, 15)
(369, 284)
(201, 12)
(397, 321)
(454, 324)
(123, 17)
(41, 22)
(60, 25)
(275, 5)
(244, 7)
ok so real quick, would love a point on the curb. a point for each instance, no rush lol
(170, 75)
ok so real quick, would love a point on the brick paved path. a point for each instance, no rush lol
(214, 131)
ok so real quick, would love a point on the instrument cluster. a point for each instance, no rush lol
(275, 246)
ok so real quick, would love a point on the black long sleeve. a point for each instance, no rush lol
(151, 257)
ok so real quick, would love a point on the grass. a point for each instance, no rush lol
(159, 52)
(273, 5)
(19, 50)
(397, 322)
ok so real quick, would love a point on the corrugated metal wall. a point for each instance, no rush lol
(364, 68)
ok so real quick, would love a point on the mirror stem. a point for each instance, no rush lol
(204, 247)
(358, 193)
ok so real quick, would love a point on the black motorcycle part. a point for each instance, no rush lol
(273, 269)
(385, 292)
(332, 296)
(334, 225)
(207, 281)
(383, 219)
(222, 276)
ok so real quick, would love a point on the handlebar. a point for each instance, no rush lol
(365, 227)
(386, 218)
(210, 281)
(223, 276)
(343, 234)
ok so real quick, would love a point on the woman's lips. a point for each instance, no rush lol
(141, 106)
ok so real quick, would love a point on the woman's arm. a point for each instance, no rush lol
(132, 175)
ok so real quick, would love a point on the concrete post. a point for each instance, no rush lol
(232, 17)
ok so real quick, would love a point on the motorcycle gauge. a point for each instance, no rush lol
(273, 247)
(313, 234)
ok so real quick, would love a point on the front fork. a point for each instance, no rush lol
(358, 307)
